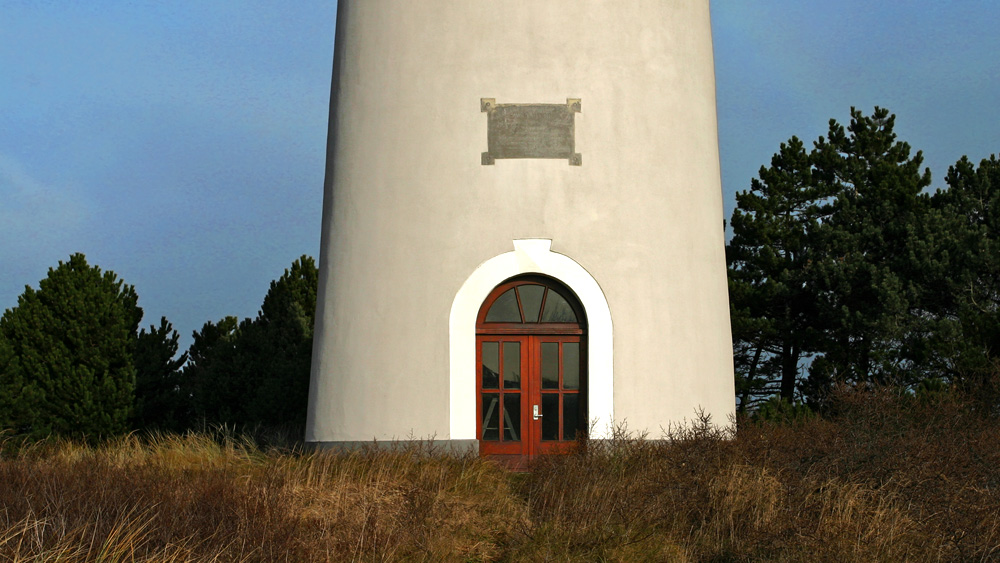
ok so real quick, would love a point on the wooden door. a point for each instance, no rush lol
(531, 358)
(556, 392)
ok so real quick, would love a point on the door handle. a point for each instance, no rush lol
(534, 413)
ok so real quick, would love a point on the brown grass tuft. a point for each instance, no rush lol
(882, 477)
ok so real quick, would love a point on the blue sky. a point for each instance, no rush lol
(181, 144)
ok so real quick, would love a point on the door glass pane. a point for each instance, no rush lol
(511, 365)
(491, 416)
(491, 365)
(512, 417)
(550, 365)
(504, 309)
(550, 416)
(531, 301)
(571, 365)
(557, 310)
(571, 415)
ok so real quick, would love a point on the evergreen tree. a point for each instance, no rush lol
(867, 279)
(772, 300)
(839, 261)
(280, 347)
(160, 400)
(12, 415)
(965, 347)
(73, 340)
(257, 371)
(211, 373)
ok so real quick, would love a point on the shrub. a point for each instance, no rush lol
(73, 340)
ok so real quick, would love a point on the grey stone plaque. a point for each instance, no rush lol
(531, 130)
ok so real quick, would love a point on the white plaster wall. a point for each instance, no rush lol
(410, 212)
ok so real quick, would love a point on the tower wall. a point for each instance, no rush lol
(411, 210)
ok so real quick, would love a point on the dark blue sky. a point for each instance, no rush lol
(181, 144)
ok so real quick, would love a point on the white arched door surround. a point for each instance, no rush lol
(530, 256)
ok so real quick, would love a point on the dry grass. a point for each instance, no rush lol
(882, 478)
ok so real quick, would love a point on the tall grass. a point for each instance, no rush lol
(881, 478)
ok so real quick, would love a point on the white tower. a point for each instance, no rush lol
(522, 224)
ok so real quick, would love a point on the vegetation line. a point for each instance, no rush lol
(884, 476)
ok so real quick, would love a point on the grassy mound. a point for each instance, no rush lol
(882, 477)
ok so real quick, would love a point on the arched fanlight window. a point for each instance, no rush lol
(531, 301)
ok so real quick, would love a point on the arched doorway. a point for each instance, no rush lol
(531, 353)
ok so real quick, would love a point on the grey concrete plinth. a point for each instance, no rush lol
(453, 447)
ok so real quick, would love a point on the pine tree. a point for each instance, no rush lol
(256, 371)
(12, 401)
(160, 399)
(867, 281)
(965, 347)
(211, 374)
(837, 262)
(73, 340)
(280, 344)
(771, 297)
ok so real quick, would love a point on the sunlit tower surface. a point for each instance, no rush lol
(522, 225)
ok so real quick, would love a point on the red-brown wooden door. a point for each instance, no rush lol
(530, 353)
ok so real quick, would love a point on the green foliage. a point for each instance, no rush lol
(281, 343)
(11, 388)
(210, 372)
(965, 347)
(778, 410)
(867, 279)
(772, 302)
(160, 400)
(839, 262)
(932, 390)
(69, 348)
(257, 371)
